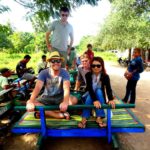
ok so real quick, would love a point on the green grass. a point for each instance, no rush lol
(10, 60)
(107, 56)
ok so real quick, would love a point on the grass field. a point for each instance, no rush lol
(10, 60)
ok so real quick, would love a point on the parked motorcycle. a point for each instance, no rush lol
(123, 62)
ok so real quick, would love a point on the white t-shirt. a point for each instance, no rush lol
(3, 82)
(61, 34)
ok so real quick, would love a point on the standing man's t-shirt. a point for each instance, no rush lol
(60, 35)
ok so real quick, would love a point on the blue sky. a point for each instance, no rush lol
(85, 19)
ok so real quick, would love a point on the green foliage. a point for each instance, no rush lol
(126, 26)
(11, 60)
(107, 56)
(84, 42)
(5, 32)
(40, 42)
(39, 24)
(47, 8)
(21, 40)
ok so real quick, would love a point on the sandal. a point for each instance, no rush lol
(100, 122)
(82, 124)
(37, 115)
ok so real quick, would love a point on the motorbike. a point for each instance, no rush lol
(123, 62)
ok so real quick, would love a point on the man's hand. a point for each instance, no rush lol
(63, 106)
(97, 104)
(49, 47)
(30, 106)
(112, 103)
(68, 51)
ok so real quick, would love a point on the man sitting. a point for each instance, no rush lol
(4, 84)
(24, 72)
(56, 82)
(42, 64)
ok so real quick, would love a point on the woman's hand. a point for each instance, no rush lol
(112, 103)
(30, 106)
(97, 104)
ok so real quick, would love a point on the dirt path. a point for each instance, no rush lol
(139, 141)
(135, 141)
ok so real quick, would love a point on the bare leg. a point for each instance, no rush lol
(72, 100)
(55, 114)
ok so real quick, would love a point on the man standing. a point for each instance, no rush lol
(56, 84)
(61, 30)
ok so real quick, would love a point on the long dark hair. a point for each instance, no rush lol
(100, 60)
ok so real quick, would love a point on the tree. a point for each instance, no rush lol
(22, 42)
(127, 25)
(46, 8)
(83, 43)
(39, 24)
(5, 32)
(3, 8)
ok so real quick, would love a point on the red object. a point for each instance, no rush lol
(90, 54)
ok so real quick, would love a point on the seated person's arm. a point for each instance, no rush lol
(64, 105)
(77, 86)
(36, 91)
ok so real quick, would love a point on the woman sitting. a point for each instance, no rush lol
(97, 82)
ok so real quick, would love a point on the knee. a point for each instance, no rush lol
(73, 100)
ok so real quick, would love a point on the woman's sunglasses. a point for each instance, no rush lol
(93, 66)
(55, 61)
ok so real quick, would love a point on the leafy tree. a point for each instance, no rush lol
(46, 8)
(39, 42)
(127, 25)
(39, 24)
(21, 41)
(83, 43)
(5, 32)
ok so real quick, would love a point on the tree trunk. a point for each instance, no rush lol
(129, 56)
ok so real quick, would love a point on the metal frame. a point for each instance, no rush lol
(108, 132)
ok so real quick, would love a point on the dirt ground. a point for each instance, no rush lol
(134, 141)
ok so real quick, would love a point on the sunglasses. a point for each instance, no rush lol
(64, 15)
(55, 61)
(93, 66)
